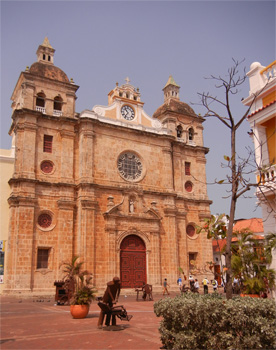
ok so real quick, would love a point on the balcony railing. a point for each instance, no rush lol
(57, 113)
(269, 71)
(41, 109)
(269, 174)
(268, 181)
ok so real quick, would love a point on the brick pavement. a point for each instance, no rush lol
(33, 324)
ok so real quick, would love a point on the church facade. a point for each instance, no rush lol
(122, 190)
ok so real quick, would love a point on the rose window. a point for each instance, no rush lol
(44, 220)
(47, 167)
(130, 166)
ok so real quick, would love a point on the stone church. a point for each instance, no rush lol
(121, 189)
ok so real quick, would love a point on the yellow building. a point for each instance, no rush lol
(6, 172)
(262, 120)
(113, 185)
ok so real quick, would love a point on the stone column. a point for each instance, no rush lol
(85, 234)
(86, 152)
(67, 156)
(169, 244)
(20, 252)
(65, 231)
(25, 145)
(182, 241)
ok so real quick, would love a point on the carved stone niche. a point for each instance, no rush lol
(131, 212)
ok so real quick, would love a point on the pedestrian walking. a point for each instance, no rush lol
(215, 285)
(196, 286)
(205, 283)
(179, 282)
(165, 285)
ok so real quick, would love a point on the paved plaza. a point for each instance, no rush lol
(40, 324)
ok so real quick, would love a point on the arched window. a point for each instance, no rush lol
(40, 103)
(191, 134)
(179, 131)
(40, 100)
(57, 103)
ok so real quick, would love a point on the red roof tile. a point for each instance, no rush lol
(261, 109)
(254, 225)
(220, 242)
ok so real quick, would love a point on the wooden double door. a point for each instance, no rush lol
(133, 262)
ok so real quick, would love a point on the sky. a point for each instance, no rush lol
(99, 43)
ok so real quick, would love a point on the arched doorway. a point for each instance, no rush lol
(133, 262)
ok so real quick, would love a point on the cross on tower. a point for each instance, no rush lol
(127, 80)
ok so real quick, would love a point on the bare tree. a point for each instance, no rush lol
(239, 182)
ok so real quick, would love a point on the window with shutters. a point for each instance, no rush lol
(48, 143)
(43, 258)
(187, 168)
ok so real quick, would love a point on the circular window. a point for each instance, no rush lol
(44, 220)
(47, 167)
(188, 186)
(130, 166)
(190, 230)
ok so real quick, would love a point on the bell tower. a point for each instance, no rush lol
(171, 90)
(45, 52)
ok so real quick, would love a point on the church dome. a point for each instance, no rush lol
(174, 105)
(48, 71)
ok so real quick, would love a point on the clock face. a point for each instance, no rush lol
(127, 113)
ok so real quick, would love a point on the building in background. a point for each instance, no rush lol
(253, 225)
(6, 172)
(262, 120)
(120, 189)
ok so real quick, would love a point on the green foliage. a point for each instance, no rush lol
(215, 227)
(78, 283)
(250, 258)
(194, 321)
(83, 296)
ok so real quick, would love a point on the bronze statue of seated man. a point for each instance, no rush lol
(110, 298)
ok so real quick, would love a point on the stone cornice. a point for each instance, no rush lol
(66, 204)
(15, 180)
(15, 201)
(88, 204)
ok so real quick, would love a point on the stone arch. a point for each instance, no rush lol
(140, 234)
(133, 261)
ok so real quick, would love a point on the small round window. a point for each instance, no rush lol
(47, 167)
(188, 186)
(130, 166)
(190, 230)
(44, 220)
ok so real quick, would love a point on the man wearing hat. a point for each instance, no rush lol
(111, 296)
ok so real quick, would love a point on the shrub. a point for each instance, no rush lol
(193, 321)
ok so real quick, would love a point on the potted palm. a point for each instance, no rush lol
(78, 284)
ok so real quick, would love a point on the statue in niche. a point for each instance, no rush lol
(131, 206)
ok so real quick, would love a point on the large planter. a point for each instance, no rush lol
(250, 295)
(79, 311)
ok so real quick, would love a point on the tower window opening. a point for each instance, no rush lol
(49, 58)
(179, 131)
(191, 134)
(127, 95)
(57, 103)
(40, 100)
(44, 57)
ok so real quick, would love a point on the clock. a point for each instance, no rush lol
(127, 112)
